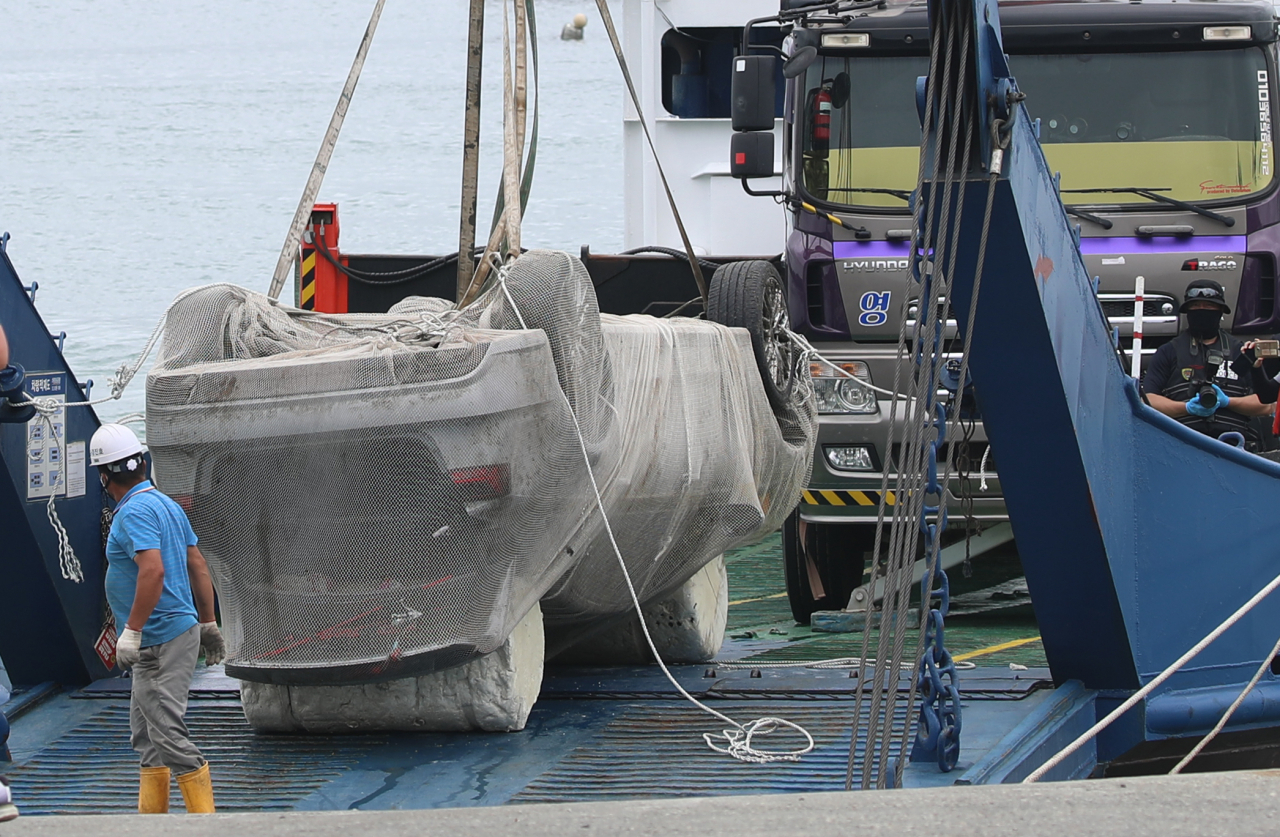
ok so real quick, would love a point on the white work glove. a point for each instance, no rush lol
(128, 648)
(215, 650)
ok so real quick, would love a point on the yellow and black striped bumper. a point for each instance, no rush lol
(826, 497)
(307, 280)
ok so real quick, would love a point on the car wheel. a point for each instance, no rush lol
(749, 295)
(838, 553)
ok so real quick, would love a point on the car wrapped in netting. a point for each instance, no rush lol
(382, 496)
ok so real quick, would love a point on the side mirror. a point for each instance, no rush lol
(799, 61)
(751, 93)
(751, 154)
(840, 88)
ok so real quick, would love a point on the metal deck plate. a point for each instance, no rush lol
(651, 752)
(92, 769)
(619, 742)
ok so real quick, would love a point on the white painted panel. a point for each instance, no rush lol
(721, 218)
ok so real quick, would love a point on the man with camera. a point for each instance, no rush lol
(1192, 379)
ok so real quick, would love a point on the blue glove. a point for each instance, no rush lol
(1195, 408)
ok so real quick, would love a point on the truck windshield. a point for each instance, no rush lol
(1197, 124)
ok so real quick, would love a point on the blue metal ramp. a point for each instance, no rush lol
(630, 739)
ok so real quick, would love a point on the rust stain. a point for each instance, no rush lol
(1044, 267)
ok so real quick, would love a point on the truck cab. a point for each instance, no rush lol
(1157, 117)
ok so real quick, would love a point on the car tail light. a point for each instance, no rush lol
(483, 483)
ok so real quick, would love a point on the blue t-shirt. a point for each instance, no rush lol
(147, 519)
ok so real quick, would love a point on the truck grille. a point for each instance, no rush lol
(1151, 306)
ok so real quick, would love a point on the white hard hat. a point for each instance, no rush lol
(112, 443)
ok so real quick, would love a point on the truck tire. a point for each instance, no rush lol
(749, 295)
(838, 552)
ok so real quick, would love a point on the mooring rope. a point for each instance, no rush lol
(1172, 669)
(1267, 662)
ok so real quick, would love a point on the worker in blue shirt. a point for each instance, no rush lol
(159, 588)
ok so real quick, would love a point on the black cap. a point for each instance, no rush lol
(1205, 290)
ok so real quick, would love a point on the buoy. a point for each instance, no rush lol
(572, 30)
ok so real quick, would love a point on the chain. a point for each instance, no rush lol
(916, 471)
(936, 279)
(934, 257)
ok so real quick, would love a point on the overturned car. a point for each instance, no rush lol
(394, 499)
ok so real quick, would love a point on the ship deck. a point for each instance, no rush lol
(596, 734)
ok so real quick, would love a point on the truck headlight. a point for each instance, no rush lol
(849, 457)
(842, 392)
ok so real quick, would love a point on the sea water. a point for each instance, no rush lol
(150, 147)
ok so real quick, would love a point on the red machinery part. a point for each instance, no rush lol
(321, 285)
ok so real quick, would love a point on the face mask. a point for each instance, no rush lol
(1204, 323)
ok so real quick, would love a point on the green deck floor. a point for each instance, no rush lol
(758, 609)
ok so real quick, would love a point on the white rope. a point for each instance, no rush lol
(810, 353)
(1147, 689)
(47, 407)
(982, 468)
(739, 739)
(1226, 716)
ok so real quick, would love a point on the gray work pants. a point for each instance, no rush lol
(158, 702)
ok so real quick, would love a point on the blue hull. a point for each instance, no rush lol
(1138, 535)
(48, 624)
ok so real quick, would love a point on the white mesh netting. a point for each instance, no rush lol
(385, 495)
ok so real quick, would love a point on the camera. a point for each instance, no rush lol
(1206, 394)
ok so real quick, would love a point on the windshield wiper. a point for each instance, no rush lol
(901, 194)
(1089, 216)
(1153, 194)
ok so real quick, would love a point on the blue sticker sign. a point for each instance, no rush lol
(45, 465)
(875, 308)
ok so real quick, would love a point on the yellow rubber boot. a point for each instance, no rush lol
(197, 790)
(153, 790)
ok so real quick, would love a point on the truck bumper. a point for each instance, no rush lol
(837, 496)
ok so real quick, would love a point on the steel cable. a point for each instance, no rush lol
(918, 221)
(940, 289)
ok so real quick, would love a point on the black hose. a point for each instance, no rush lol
(384, 278)
(672, 252)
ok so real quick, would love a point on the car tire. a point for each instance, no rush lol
(838, 552)
(749, 295)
